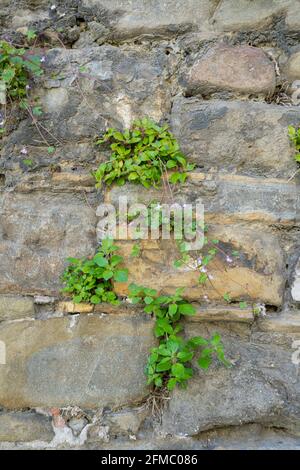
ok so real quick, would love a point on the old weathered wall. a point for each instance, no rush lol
(219, 72)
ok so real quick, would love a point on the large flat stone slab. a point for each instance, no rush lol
(38, 231)
(246, 138)
(90, 362)
(260, 387)
(13, 307)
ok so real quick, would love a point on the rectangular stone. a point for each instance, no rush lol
(71, 307)
(151, 18)
(226, 198)
(223, 314)
(235, 136)
(91, 362)
(255, 274)
(38, 231)
(25, 427)
(13, 307)
(261, 386)
(286, 322)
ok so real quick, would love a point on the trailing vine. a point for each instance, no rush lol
(169, 364)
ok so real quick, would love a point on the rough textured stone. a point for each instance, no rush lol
(37, 233)
(127, 421)
(89, 362)
(248, 138)
(71, 307)
(286, 322)
(235, 15)
(256, 274)
(13, 307)
(292, 69)
(296, 284)
(148, 17)
(226, 197)
(25, 427)
(224, 314)
(292, 20)
(241, 69)
(261, 386)
(95, 88)
(123, 60)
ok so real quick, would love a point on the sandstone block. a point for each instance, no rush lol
(13, 307)
(93, 362)
(25, 427)
(247, 138)
(240, 69)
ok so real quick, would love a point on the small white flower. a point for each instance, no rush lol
(199, 260)
(203, 269)
(24, 151)
(28, 87)
(2, 123)
(228, 259)
(205, 297)
(43, 59)
(53, 7)
(210, 276)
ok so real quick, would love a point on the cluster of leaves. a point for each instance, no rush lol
(294, 135)
(17, 66)
(91, 280)
(169, 364)
(141, 155)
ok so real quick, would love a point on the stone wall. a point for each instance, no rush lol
(221, 73)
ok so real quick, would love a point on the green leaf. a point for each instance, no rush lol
(100, 260)
(37, 111)
(216, 340)
(204, 362)
(172, 309)
(50, 149)
(185, 356)
(135, 251)
(186, 309)
(178, 370)
(121, 275)
(148, 300)
(164, 364)
(227, 297)
(8, 74)
(171, 164)
(197, 341)
(243, 305)
(107, 275)
(171, 384)
(202, 278)
(95, 299)
(31, 34)
(178, 263)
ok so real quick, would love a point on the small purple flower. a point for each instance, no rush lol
(228, 259)
(28, 87)
(203, 269)
(24, 151)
